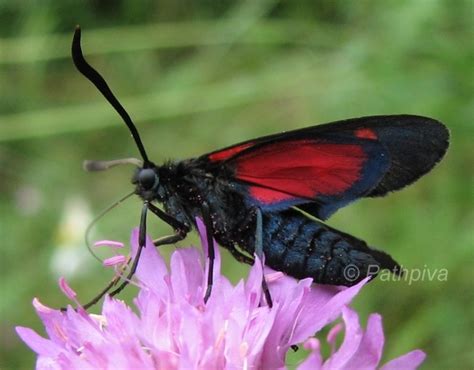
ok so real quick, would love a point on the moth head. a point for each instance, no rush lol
(147, 182)
(147, 179)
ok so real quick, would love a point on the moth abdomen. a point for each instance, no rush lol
(302, 247)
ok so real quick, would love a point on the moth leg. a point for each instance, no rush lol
(206, 214)
(115, 280)
(259, 253)
(170, 220)
(141, 245)
(97, 298)
(170, 239)
(239, 256)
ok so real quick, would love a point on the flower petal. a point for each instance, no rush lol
(323, 304)
(53, 321)
(66, 288)
(42, 346)
(408, 361)
(349, 346)
(332, 336)
(253, 284)
(187, 275)
(122, 323)
(369, 352)
(151, 268)
(48, 363)
(314, 361)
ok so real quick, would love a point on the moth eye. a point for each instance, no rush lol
(147, 178)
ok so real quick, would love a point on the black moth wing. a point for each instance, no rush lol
(415, 145)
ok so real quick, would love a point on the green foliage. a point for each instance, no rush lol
(199, 75)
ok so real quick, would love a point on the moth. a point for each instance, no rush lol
(255, 197)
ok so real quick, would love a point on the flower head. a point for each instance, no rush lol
(173, 328)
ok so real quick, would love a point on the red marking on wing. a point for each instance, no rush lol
(366, 133)
(305, 168)
(227, 153)
(268, 196)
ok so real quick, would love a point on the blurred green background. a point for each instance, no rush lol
(199, 75)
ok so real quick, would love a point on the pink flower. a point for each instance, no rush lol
(175, 329)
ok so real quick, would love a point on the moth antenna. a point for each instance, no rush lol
(97, 218)
(94, 166)
(92, 75)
